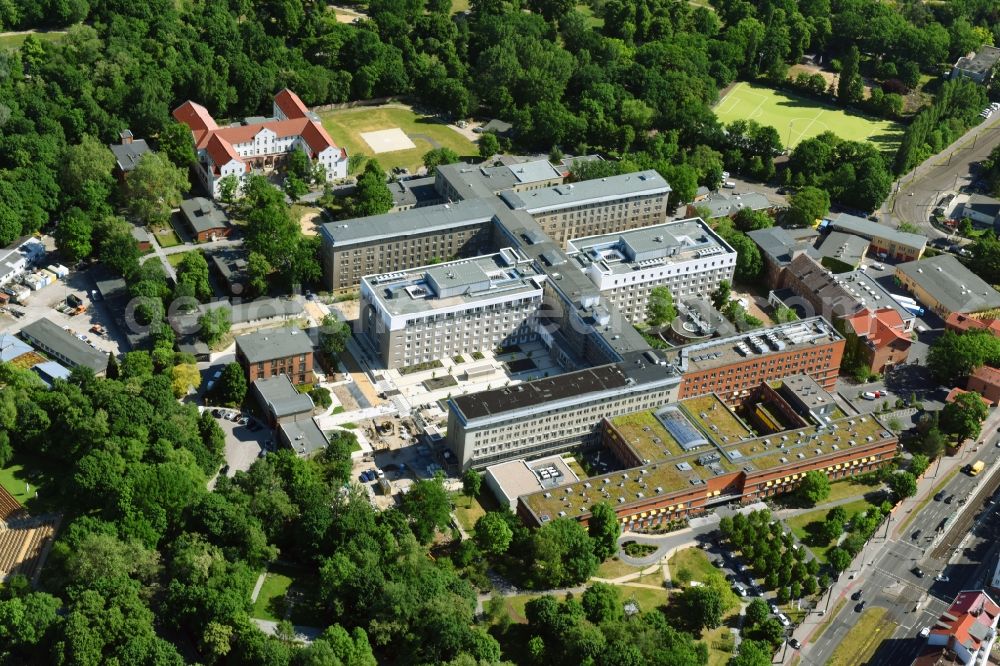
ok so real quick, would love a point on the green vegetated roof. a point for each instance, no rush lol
(732, 447)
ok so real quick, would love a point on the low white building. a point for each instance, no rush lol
(509, 480)
(685, 256)
(259, 143)
(428, 313)
(17, 258)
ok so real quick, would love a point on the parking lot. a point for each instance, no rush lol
(244, 441)
(43, 304)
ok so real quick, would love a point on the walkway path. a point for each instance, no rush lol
(257, 587)
(162, 256)
(303, 634)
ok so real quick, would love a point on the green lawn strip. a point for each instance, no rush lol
(284, 582)
(346, 125)
(920, 507)
(863, 639)
(719, 640)
(176, 259)
(165, 237)
(848, 488)
(837, 607)
(15, 41)
(467, 511)
(615, 568)
(268, 604)
(796, 117)
(592, 20)
(799, 523)
(694, 560)
(25, 475)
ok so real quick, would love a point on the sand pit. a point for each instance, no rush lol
(388, 140)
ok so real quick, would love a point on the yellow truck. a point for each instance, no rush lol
(976, 467)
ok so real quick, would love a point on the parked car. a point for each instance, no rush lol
(925, 632)
(941, 578)
(739, 589)
(794, 642)
(916, 535)
(729, 185)
(949, 499)
(775, 609)
(857, 595)
(783, 619)
(939, 496)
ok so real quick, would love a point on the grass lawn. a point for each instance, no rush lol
(798, 524)
(269, 603)
(575, 466)
(469, 509)
(797, 118)
(176, 259)
(346, 126)
(349, 425)
(165, 237)
(864, 637)
(288, 591)
(15, 477)
(848, 488)
(9, 42)
(459, 6)
(595, 22)
(694, 560)
(720, 640)
(615, 568)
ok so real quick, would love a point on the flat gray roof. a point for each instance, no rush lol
(274, 343)
(853, 224)
(49, 336)
(775, 242)
(981, 61)
(304, 436)
(846, 248)
(415, 221)
(446, 285)
(281, 397)
(597, 190)
(802, 334)
(414, 191)
(953, 285)
(721, 204)
(637, 249)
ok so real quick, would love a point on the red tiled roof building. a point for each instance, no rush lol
(259, 143)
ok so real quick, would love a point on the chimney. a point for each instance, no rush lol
(126, 137)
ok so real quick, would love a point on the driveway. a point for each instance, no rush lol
(243, 446)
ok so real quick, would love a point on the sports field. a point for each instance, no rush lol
(797, 118)
(346, 126)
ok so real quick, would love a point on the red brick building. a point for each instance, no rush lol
(961, 323)
(276, 351)
(986, 382)
(734, 366)
(698, 454)
(879, 337)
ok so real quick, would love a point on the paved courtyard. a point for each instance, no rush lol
(387, 140)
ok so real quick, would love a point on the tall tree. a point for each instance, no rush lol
(154, 188)
(604, 530)
(660, 308)
(371, 194)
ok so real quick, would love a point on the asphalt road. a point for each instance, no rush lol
(920, 190)
(965, 554)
